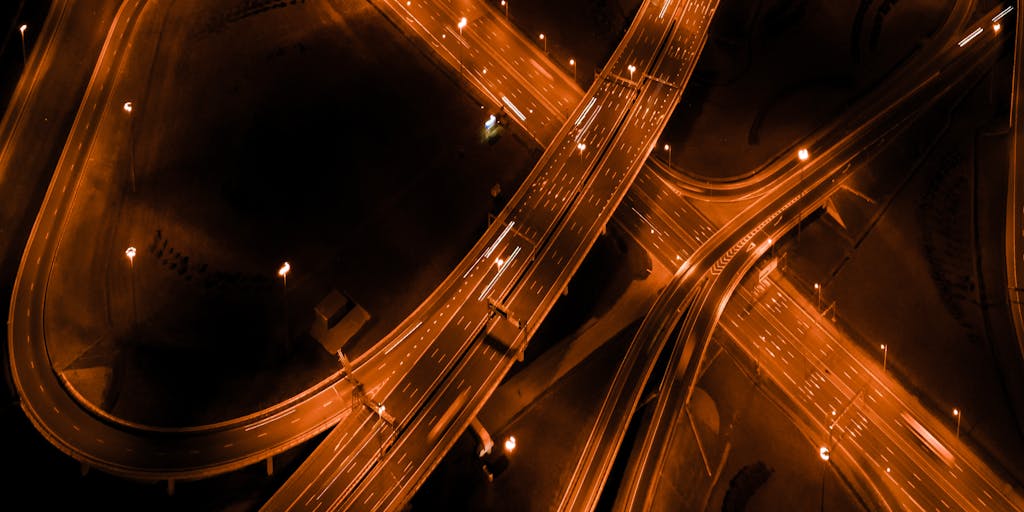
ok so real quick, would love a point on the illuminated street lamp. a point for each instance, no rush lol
(631, 69)
(131, 142)
(825, 455)
(510, 444)
(581, 146)
(956, 412)
(505, 5)
(283, 272)
(669, 149)
(22, 30)
(885, 355)
(542, 38)
(803, 154)
(130, 253)
(572, 62)
(817, 288)
(996, 27)
(462, 24)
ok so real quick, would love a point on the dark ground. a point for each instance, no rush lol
(259, 145)
(774, 71)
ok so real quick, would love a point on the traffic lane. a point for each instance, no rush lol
(479, 25)
(404, 401)
(838, 400)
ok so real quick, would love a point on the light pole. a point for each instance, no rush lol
(631, 69)
(817, 287)
(544, 39)
(462, 24)
(283, 272)
(885, 355)
(771, 247)
(581, 146)
(505, 5)
(825, 455)
(669, 149)
(572, 62)
(22, 30)
(130, 253)
(131, 143)
(958, 414)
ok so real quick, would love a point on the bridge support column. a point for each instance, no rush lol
(486, 443)
(170, 487)
(270, 466)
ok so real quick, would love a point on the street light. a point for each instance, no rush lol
(131, 142)
(631, 69)
(130, 253)
(283, 272)
(510, 444)
(885, 355)
(825, 455)
(956, 412)
(22, 30)
(803, 154)
(462, 25)
(542, 38)
(817, 287)
(669, 149)
(581, 146)
(505, 5)
(572, 62)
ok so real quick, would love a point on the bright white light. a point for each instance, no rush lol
(823, 452)
(283, 271)
(803, 154)
(130, 252)
(510, 444)
(970, 36)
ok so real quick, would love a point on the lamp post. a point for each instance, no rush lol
(817, 288)
(544, 39)
(572, 63)
(283, 272)
(825, 455)
(669, 149)
(885, 355)
(131, 142)
(22, 30)
(581, 146)
(957, 414)
(130, 253)
(631, 69)
(505, 5)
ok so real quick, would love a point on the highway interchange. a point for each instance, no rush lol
(519, 267)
